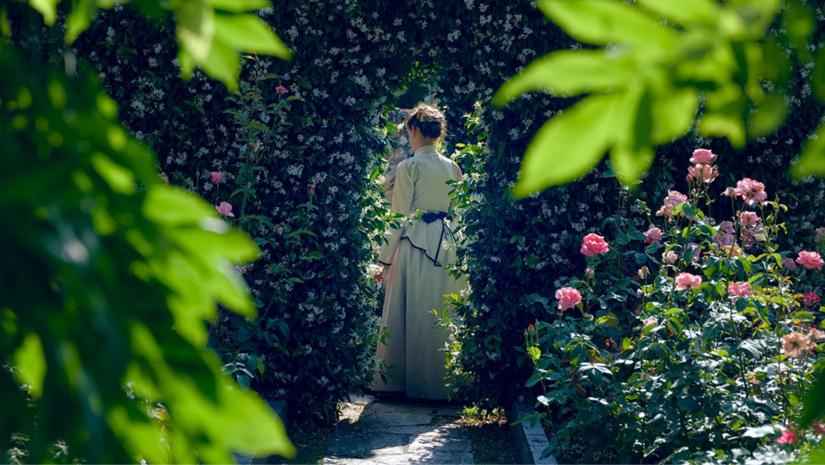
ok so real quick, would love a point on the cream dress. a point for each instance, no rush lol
(417, 279)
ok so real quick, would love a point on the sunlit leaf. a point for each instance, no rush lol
(673, 113)
(682, 12)
(31, 363)
(812, 160)
(47, 8)
(603, 22)
(249, 33)
(569, 144)
(80, 17)
(239, 6)
(569, 73)
(798, 19)
(767, 116)
(724, 116)
(633, 154)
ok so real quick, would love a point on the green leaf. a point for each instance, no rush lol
(603, 22)
(47, 8)
(682, 12)
(812, 160)
(818, 77)
(609, 319)
(174, 206)
(223, 64)
(633, 154)
(119, 178)
(725, 115)
(83, 11)
(569, 73)
(249, 33)
(239, 6)
(570, 144)
(798, 19)
(767, 116)
(31, 363)
(673, 113)
(195, 28)
(814, 406)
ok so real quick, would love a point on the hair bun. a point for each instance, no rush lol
(429, 120)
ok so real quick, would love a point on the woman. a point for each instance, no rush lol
(418, 255)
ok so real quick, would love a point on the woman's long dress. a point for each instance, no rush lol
(417, 279)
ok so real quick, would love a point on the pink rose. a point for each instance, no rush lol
(687, 281)
(225, 209)
(789, 263)
(703, 156)
(568, 298)
(673, 199)
(750, 191)
(787, 437)
(281, 89)
(653, 235)
(809, 260)
(747, 218)
(216, 177)
(741, 289)
(703, 173)
(810, 298)
(670, 257)
(797, 345)
(593, 244)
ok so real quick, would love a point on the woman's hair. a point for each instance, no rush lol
(429, 120)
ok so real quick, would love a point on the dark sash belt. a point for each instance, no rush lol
(429, 217)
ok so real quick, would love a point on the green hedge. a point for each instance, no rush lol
(353, 59)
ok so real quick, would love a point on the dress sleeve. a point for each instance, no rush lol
(458, 174)
(402, 197)
(402, 193)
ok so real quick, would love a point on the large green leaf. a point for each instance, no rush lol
(570, 72)
(47, 8)
(767, 116)
(195, 28)
(812, 160)
(31, 363)
(603, 22)
(239, 6)
(249, 33)
(673, 112)
(724, 116)
(570, 144)
(83, 11)
(632, 153)
(684, 12)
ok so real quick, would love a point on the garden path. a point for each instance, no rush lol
(383, 432)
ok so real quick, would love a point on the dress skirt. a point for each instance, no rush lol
(414, 348)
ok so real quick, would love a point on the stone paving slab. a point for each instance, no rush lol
(390, 433)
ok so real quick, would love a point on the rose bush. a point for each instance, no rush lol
(700, 354)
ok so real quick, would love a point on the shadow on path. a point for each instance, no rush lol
(398, 432)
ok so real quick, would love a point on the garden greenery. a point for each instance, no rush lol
(660, 59)
(294, 159)
(110, 275)
(691, 340)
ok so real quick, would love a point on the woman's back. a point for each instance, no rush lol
(422, 182)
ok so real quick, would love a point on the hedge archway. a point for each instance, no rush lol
(296, 149)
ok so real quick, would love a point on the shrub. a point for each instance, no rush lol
(690, 336)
